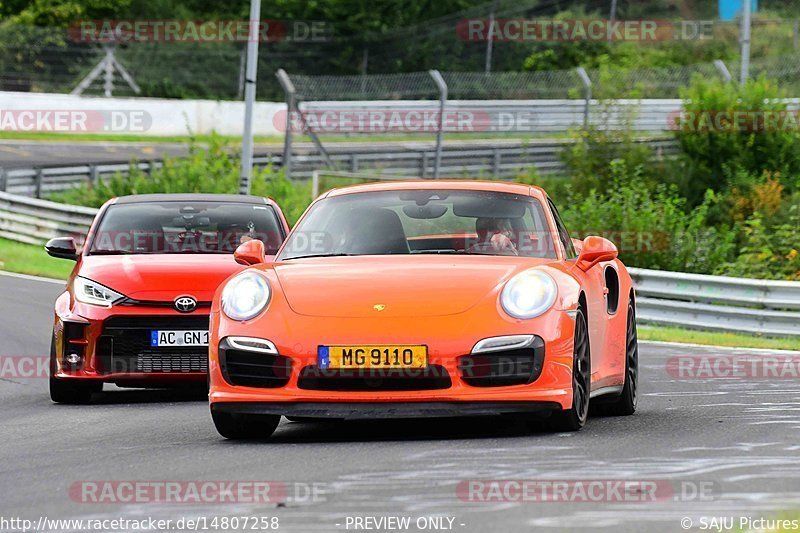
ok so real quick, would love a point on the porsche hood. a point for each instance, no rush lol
(360, 287)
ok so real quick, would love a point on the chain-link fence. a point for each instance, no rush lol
(606, 82)
(54, 60)
(487, 105)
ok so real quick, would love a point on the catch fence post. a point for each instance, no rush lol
(587, 94)
(442, 86)
(289, 91)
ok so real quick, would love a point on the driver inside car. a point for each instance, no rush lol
(495, 236)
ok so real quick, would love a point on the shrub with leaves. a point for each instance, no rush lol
(768, 252)
(651, 227)
(212, 169)
(764, 142)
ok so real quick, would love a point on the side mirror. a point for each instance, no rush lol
(250, 253)
(596, 250)
(62, 247)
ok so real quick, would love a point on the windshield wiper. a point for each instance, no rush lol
(442, 251)
(317, 255)
(110, 252)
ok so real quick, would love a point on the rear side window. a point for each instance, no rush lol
(563, 235)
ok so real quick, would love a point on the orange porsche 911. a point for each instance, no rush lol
(424, 299)
(135, 309)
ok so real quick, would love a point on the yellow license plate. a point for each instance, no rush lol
(373, 356)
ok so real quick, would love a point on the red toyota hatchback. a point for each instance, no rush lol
(135, 311)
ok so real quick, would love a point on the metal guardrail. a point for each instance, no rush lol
(34, 221)
(516, 116)
(760, 307)
(492, 158)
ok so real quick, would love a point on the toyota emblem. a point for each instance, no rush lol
(185, 304)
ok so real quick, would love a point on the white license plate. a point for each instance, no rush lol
(178, 337)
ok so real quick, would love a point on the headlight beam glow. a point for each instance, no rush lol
(528, 294)
(245, 296)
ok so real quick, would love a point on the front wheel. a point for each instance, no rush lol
(235, 426)
(574, 418)
(302, 419)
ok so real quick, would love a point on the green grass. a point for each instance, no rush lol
(737, 340)
(33, 260)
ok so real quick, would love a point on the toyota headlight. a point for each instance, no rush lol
(245, 296)
(91, 292)
(528, 294)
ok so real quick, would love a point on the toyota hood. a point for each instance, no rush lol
(160, 277)
(404, 286)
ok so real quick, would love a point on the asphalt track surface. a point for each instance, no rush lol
(45, 153)
(737, 440)
(17, 153)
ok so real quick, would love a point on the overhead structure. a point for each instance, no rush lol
(106, 66)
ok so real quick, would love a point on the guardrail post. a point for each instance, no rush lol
(440, 83)
(38, 183)
(3, 180)
(289, 91)
(314, 185)
(423, 164)
(92, 176)
(353, 162)
(496, 162)
(587, 94)
(723, 69)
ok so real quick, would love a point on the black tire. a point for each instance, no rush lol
(235, 426)
(312, 420)
(302, 419)
(574, 418)
(626, 403)
(69, 391)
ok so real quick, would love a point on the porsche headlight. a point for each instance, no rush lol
(245, 296)
(528, 294)
(91, 292)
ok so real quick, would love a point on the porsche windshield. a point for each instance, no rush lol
(171, 227)
(423, 221)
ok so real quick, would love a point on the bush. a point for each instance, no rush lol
(718, 158)
(651, 227)
(768, 252)
(208, 170)
(588, 159)
(728, 205)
